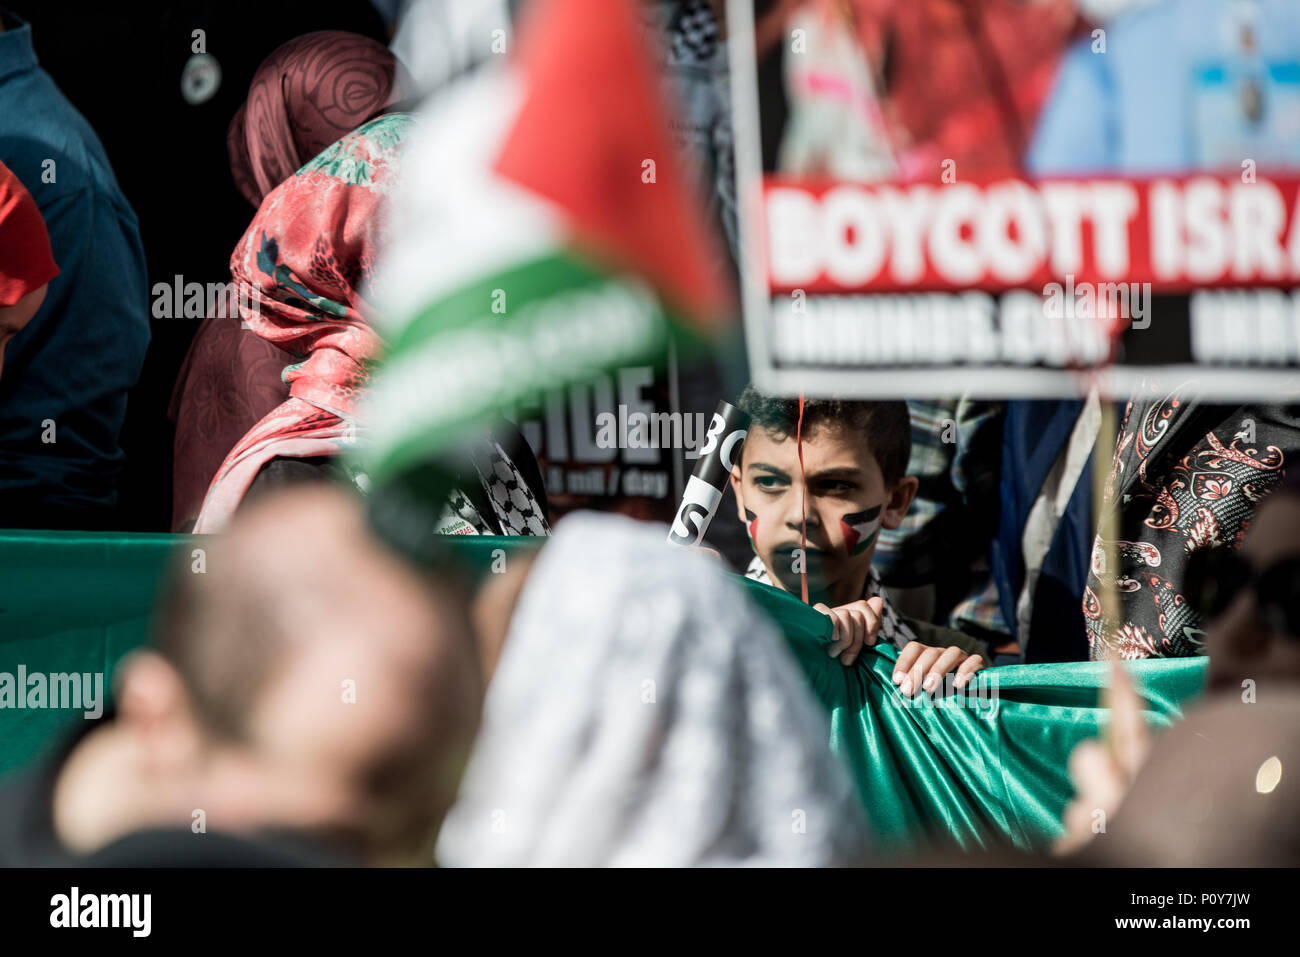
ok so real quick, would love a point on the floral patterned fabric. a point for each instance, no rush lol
(1185, 476)
(305, 258)
(230, 379)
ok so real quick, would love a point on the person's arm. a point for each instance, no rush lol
(936, 636)
(84, 350)
(1102, 769)
(1062, 144)
(976, 473)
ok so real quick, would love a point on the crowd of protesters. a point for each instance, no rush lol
(965, 554)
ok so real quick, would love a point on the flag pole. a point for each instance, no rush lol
(1107, 518)
(1108, 532)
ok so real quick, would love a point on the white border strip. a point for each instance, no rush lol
(745, 121)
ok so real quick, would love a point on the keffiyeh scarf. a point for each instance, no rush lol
(514, 506)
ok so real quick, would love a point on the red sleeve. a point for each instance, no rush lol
(26, 262)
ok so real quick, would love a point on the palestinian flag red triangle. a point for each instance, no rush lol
(591, 121)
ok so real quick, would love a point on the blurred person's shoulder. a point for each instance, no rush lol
(1220, 788)
(44, 139)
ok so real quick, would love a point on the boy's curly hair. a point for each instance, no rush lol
(884, 426)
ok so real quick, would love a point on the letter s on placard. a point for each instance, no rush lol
(698, 504)
(689, 521)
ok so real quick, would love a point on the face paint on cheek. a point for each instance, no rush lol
(860, 529)
(751, 529)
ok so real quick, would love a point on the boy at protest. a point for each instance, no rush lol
(819, 519)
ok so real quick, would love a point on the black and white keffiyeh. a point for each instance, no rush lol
(693, 32)
(514, 506)
(892, 627)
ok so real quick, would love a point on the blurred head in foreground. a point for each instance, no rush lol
(643, 712)
(306, 681)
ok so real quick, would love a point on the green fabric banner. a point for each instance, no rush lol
(70, 602)
(976, 768)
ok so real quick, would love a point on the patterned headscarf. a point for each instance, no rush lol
(301, 266)
(306, 95)
(644, 713)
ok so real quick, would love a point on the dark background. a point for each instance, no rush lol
(121, 64)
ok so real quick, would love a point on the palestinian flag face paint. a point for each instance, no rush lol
(751, 529)
(860, 529)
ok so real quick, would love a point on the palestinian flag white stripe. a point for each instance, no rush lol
(454, 220)
(568, 336)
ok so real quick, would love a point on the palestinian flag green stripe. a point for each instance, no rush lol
(441, 383)
(510, 291)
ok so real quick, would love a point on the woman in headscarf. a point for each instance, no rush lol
(272, 398)
(308, 94)
(300, 270)
(643, 712)
(301, 266)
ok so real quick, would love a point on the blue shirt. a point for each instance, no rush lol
(64, 387)
(1166, 94)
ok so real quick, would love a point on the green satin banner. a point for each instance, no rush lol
(978, 768)
(981, 767)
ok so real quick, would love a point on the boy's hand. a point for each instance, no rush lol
(856, 626)
(922, 667)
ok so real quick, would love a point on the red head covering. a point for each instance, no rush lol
(26, 263)
(306, 95)
(301, 267)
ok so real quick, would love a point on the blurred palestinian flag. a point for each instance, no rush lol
(545, 231)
